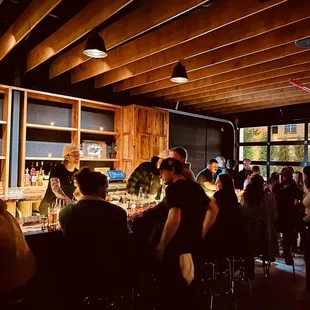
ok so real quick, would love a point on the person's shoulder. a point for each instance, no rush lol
(114, 208)
(58, 168)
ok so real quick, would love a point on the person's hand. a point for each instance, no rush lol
(159, 252)
(68, 201)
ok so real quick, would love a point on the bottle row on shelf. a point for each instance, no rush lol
(37, 175)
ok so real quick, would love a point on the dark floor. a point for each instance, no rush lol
(280, 291)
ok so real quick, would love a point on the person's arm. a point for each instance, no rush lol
(57, 190)
(210, 216)
(133, 179)
(210, 186)
(170, 228)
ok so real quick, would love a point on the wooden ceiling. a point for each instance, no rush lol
(239, 54)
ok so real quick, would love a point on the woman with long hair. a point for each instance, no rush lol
(259, 210)
(226, 236)
(271, 182)
(298, 178)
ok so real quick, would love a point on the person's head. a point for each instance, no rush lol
(246, 164)
(273, 179)
(161, 156)
(179, 153)
(71, 154)
(254, 192)
(170, 170)
(231, 164)
(213, 166)
(221, 161)
(91, 183)
(155, 160)
(255, 170)
(286, 175)
(225, 182)
(306, 172)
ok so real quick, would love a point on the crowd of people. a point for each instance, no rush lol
(198, 219)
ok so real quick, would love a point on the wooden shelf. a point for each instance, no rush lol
(3, 122)
(2, 157)
(43, 158)
(99, 132)
(49, 127)
(99, 159)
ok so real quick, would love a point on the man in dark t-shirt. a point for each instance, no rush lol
(187, 204)
(206, 178)
(60, 183)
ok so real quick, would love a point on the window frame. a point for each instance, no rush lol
(270, 143)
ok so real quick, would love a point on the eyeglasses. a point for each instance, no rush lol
(76, 156)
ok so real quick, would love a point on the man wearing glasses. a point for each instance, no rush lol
(61, 184)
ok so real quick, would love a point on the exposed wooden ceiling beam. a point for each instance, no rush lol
(244, 88)
(257, 102)
(209, 43)
(274, 65)
(240, 100)
(32, 15)
(265, 41)
(173, 34)
(254, 90)
(266, 56)
(268, 105)
(96, 12)
(150, 15)
(259, 79)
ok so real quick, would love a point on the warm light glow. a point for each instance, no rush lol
(95, 53)
(49, 155)
(52, 123)
(179, 80)
(101, 128)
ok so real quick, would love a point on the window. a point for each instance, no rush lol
(286, 147)
(289, 132)
(290, 129)
(289, 153)
(254, 134)
(254, 153)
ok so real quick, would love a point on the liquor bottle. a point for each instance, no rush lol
(27, 179)
(40, 175)
(33, 175)
(140, 198)
(37, 173)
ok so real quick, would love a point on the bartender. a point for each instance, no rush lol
(61, 184)
(207, 177)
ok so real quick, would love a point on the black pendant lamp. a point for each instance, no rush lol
(95, 47)
(179, 74)
(303, 43)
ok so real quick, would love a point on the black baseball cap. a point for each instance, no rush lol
(170, 164)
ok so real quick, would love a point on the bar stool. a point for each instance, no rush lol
(210, 274)
(238, 264)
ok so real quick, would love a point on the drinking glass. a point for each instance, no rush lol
(44, 222)
(52, 215)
